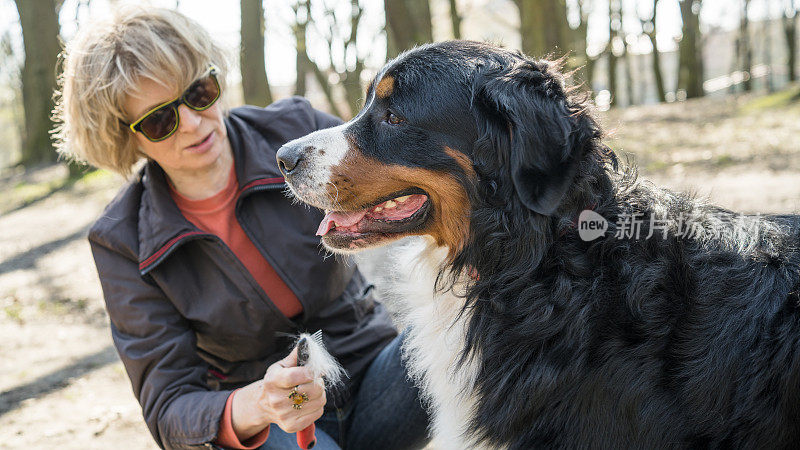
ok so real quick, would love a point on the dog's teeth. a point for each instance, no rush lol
(378, 209)
(390, 204)
(402, 199)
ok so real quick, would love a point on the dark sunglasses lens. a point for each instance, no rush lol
(159, 123)
(202, 93)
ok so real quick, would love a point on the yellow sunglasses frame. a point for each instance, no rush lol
(174, 104)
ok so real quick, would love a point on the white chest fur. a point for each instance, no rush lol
(434, 344)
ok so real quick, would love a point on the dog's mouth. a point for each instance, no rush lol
(388, 217)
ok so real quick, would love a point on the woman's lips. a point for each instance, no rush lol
(204, 145)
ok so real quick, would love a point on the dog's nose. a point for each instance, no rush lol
(289, 157)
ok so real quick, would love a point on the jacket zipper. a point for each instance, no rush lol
(257, 244)
(195, 235)
(246, 273)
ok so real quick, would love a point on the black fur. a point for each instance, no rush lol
(616, 343)
(671, 341)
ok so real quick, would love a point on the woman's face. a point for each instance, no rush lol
(198, 142)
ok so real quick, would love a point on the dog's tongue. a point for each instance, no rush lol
(340, 219)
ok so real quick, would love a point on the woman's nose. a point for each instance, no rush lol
(189, 119)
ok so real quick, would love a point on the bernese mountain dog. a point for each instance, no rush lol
(555, 300)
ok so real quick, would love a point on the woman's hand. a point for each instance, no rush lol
(267, 401)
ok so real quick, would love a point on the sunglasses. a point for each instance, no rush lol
(162, 121)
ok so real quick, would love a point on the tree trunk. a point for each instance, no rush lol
(736, 64)
(455, 19)
(543, 27)
(255, 86)
(351, 81)
(584, 63)
(40, 28)
(322, 80)
(627, 60)
(612, 77)
(352, 78)
(614, 24)
(630, 83)
(589, 71)
(690, 75)
(790, 19)
(746, 48)
(302, 13)
(530, 27)
(408, 23)
(766, 28)
(659, 77)
(650, 30)
(560, 36)
(303, 63)
(351, 64)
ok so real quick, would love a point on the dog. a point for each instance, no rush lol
(525, 332)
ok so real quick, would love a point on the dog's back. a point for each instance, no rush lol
(690, 337)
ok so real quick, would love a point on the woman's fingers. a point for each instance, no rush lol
(313, 390)
(285, 374)
(290, 360)
(293, 420)
(289, 377)
(303, 422)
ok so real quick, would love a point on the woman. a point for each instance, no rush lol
(207, 269)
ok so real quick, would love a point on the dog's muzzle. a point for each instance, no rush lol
(306, 164)
(290, 158)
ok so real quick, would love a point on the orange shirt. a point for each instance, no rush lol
(216, 215)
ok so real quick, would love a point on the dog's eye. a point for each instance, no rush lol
(393, 119)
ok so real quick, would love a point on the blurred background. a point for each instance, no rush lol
(701, 95)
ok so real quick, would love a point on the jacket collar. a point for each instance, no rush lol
(162, 227)
(253, 151)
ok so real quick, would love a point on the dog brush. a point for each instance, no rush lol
(311, 353)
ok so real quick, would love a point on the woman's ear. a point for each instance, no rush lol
(539, 150)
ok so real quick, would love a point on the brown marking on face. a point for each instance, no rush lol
(463, 161)
(385, 87)
(359, 181)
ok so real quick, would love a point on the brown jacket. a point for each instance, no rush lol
(189, 321)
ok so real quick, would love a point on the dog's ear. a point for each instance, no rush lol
(523, 107)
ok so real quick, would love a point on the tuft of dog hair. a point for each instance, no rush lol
(325, 369)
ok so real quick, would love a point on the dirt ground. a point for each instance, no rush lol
(61, 384)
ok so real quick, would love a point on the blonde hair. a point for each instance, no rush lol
(106, 62)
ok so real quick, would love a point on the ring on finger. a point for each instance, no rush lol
(297, 398)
